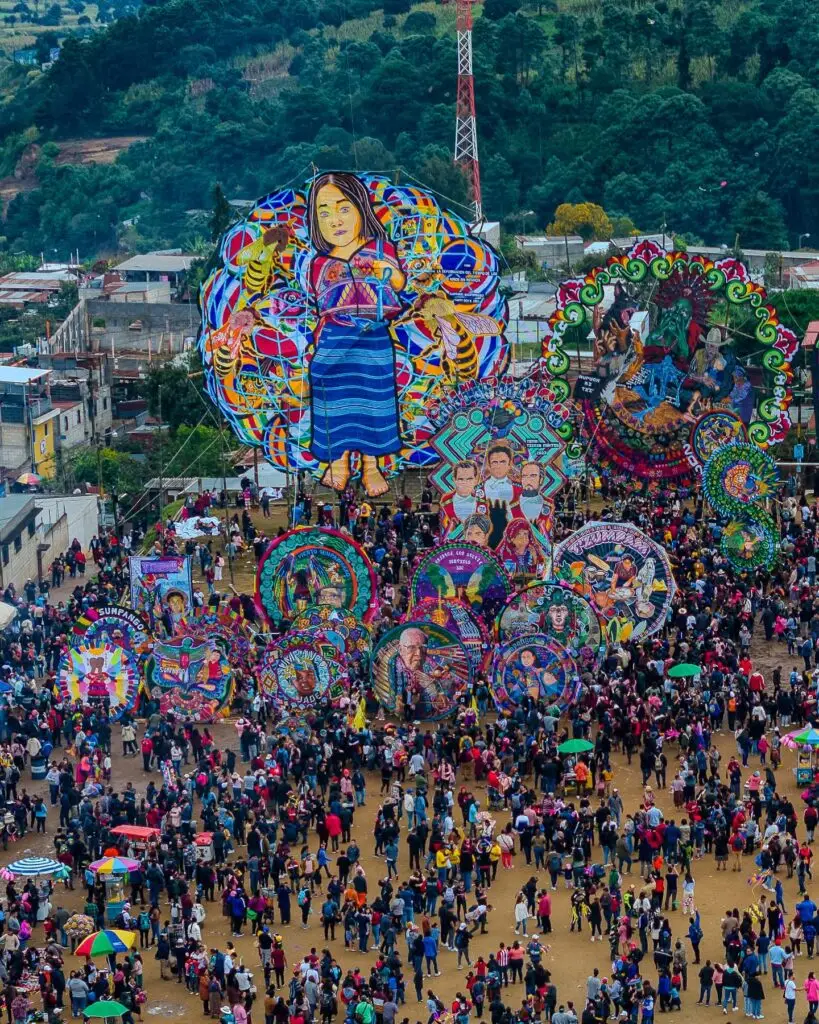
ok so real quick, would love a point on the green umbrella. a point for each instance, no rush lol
(683, 671)
(575, 747)
(105, 1008)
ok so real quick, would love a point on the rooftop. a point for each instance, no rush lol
(21, 374)
(158, 262)
(15, 509)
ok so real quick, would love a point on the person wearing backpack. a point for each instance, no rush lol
(144, 925)
(304, 899)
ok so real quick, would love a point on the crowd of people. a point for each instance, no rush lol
(457, 813)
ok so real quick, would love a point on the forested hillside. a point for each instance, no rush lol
(701, 114)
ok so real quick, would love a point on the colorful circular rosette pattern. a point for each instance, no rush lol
(623, 573)
(736, 481)
(676, 336)
(191, 678)
(536, 666)
(228, 630)
(420, 666)
(456, 617)
(302, 672)
(262, 315)
(99, 672)
(552, 610)
(309, 566)
(464, 572)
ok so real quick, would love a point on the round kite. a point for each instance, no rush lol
(712, 431)
(623, 573)
(420, 670)
(98, 672)
(557, 612)
(111, 623)
(308, 566)
(302, 672)
(676, 336)
(463, 571)
(537, 667)
(191, 678)
(456, 617)
(339, 311)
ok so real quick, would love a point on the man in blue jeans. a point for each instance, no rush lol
(731, 981)
(777, 955)
(706, 984)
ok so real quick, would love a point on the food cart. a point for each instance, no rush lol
(204, 847)
(805, 742)
(139, 837)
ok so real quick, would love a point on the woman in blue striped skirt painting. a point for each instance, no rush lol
(355, 279)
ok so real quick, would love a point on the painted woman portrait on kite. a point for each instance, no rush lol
(355, 280)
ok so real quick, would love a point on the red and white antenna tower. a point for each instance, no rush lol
(466, 135)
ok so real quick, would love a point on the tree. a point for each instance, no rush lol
(183, 400)
(197, 451)
(121, 472)
(588, 220)
(222, 215)
(760, 223)
(497, 10)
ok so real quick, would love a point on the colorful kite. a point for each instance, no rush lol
(468, 572)
(302, 672)
(675, 336)
(191, 678)
(624, 574)
(736, 480)
(500, 470)
(308, 566)
(558, 612)
(161, 585)
(538, 667)
(113, 624)
(338, 313)
(99, 672)
(356, 635)
(420, 669)
(458, 618)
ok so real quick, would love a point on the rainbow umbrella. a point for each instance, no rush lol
(105, 942)
(801, 738)
(114, 866)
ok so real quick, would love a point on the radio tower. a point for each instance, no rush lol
(466, 136)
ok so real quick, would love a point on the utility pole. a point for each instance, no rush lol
(161, 483)
(225, 495)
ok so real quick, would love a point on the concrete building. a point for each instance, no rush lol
(80, 511)
(171, 266)
(28, 432)
(552, 251)
(29, 543)
(87, 377)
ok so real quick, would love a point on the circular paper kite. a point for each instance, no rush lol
(302, 672)
(666, 351)
(536, 666)
(558, 612)
(414, 309)
(462, 571)
(99, 672)
(713, 430)
(458, 618)
(420, 665)
(121, 626)
(310, 566)
(191, 677)
(625, 574)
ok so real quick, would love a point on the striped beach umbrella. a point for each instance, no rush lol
(28, 867)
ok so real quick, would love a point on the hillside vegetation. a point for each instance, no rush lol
(700, 114)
